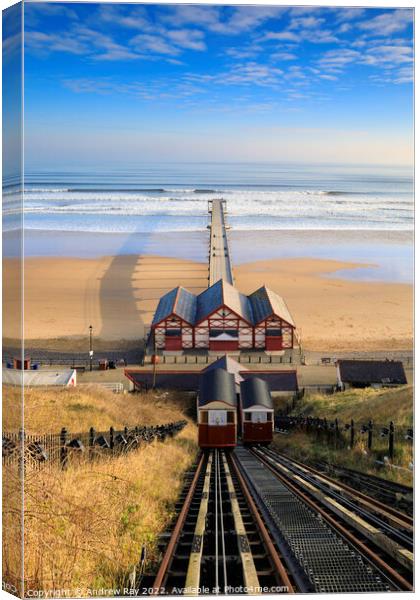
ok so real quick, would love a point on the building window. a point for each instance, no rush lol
(230, 416)
(247, 416)
(269, 416)
(173, 333)
(273, 332)
(231, 332)
(204, 417)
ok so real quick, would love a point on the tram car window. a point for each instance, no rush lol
(256, 412)
(217, 410)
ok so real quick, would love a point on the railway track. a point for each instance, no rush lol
(366, 505)
(389, 492)
(219, 544)
(381, 536)
(253, 521)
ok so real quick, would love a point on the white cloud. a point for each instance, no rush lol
(48, 42)
(191, 39)
(136, 18)
(388, 23)
(183, 14)
(243, 51)
(306, 23)
(287, 36)
(336, 59)
(328, 77)
(393, 54)
(348, 13)
(230, 21)
(12, 45)
(283, 56)
(250, 73)
(154, 43)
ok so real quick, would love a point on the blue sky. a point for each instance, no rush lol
(194, 82)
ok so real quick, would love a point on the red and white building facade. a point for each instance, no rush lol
(221, 319)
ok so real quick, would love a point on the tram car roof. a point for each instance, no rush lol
(217, 385)
(255, 392)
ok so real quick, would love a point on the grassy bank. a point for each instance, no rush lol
(77, 409)
(85, 526)
(381, 406)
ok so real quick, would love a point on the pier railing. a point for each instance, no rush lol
(220, 263)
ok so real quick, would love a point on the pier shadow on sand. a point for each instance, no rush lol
(118, 299)
(132, 285)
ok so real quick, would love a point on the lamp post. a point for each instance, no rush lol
(90, 348)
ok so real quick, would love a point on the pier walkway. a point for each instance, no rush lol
(220, 263)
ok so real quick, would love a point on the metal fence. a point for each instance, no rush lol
(204, 359)
(386, 438)
(60, 449)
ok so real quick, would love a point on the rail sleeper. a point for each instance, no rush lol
(248, 565)
(192, 582)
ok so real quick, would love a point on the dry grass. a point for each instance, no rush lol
(305, 447)
(381, 406)
(12, 530)
(48, 410)
(85, 527)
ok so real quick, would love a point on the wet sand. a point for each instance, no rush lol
(118, 295)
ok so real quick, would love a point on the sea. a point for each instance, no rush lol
(274, 210)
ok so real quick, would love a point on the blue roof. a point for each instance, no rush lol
(186, 305)
(193, 309)
(223, 293)
(228, 364)
(178, 301)
(266, 303)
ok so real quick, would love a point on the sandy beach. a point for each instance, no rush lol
(118, 296)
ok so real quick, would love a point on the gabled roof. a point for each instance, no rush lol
(229, 365)
(372, 371)
(193, 309)
(219, 294)
(179, 302)
(217, 386)
(266, 303)
(255, 392)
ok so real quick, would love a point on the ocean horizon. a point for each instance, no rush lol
(353, 214)
(173, 197)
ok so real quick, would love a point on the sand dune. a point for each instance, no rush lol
(118, 296)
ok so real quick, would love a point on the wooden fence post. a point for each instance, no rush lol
(21, 457)
(91, 442)
(370, 435)
(351, 433)
(111, 438)
(63, 451)
(391, 440)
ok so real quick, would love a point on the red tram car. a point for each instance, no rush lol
(217, 410)
(256, 412)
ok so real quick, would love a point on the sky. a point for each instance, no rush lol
(123, 82)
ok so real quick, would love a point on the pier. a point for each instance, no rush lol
(220, 263)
